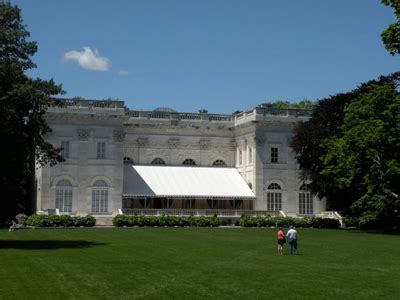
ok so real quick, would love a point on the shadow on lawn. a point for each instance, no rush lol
(46, 244)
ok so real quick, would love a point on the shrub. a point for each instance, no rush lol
(64, 220)
(120, 221)
(169, 221)
(267, 221)
(351, 222)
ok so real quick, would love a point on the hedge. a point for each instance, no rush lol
(63, 220)
(171, 221)
(267, 221)
(213, 221)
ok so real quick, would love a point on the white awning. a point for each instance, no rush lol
(184, 182)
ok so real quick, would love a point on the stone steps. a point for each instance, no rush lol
(104, 220)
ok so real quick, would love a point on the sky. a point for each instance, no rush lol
(219, 55)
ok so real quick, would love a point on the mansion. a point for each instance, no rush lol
(162, 161)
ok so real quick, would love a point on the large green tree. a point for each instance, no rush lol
(391, 35)
(23, 103)
(309, 144)
(366, 154)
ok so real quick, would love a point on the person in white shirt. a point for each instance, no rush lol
(292, 239)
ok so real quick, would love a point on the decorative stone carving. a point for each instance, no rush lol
(142, 141)
(204, 144)
(260, 140)
(83, 134)
(232, 144)
(119, 135)
(173, 143)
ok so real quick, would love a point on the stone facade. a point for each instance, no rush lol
(98, 136)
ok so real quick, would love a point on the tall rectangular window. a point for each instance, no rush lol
(305, 203)
(274, 201)
(250, 155)
(100, 200)
(274, 155)
(240, 156)
(64, 199)
(101, 150)
(64, 149)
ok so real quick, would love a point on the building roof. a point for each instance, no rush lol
(184, 182)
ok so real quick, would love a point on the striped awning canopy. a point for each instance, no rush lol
(185, 182)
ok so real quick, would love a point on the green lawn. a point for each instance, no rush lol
(169, 263)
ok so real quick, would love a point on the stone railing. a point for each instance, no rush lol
(267, 113)
(189, 116)
(197, 212)
(256, 114)
(87, 103)
(178, 116)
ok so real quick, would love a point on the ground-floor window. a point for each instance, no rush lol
(305, 201)
(64, 196)
(274, 197)
(100, 197)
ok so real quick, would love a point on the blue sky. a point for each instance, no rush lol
(218, 55)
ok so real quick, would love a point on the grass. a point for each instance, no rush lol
(194, 263)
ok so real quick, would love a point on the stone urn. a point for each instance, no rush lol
(21, 219)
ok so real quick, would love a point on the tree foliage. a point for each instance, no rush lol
(391, 35)
(23, 103)
(310, 145)
(303, 104)
(366, 154)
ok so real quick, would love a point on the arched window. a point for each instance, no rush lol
(64, 195)
(274, 197)
(128, 160)
(158, 161)
(100, 196)
(305, 200)
(189, 162)
(219, 162)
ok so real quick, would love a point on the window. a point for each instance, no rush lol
(219, 162)
(189, 161)
(274, 155)
(100, 196)
(305, 201)
(64, 149)
(158, 161)
(128, 160)
(101, 150)
(240, 156)
(64, 196)
(250, 155)
(274, 197)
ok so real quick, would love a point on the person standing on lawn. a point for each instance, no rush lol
(281, 241)
(292, 240)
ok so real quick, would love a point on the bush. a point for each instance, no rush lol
(64, 220)
(169, 221)
(267, 221)
(351, 222)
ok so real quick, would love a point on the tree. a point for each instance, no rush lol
(23, 104)
(366, 154)
(309, 144)
(303, 104)
(391, 35)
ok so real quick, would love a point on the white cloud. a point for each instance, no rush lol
(88, 59)
(123, 73)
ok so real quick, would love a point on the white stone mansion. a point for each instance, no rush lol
(120, 160)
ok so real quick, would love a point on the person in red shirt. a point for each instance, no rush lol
(281, 241)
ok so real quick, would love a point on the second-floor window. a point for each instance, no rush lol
(101, 150)
(274, 155)
(64, 149)
(250, 155)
